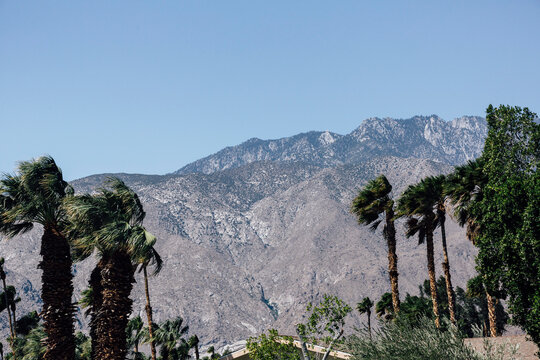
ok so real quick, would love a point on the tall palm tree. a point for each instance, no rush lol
(35, 195)
(110, 222)
(417, 204)
(370, 204)
(464, 188)
(168, 334)
(151, 258)
(438, 183)
(364, 307)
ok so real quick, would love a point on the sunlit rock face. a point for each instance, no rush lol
(250, 234)
(427, 137)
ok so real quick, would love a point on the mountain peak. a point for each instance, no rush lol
(428, 137)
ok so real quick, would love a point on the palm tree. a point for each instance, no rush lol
(417, 203)
(194, 344)
(35, 195)
(384, 308)
(369, 205)
(364, 307)
(464, 189)
(150, 258)
(111, 223)
(91, 300)
(438, 183)
(6, 299)
(168, 334)
(135, 333)
(33, 348)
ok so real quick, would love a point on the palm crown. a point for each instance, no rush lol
(372, 201)
(111, 222)
(33, 196)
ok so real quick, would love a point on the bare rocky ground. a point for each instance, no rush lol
(513, 347)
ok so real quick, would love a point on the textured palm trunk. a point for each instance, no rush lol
(446, 268)
(117, 281)
(390, 235)
(97, 301)
(56, 293)
(12, 331)
(369, 323)
(492, 315)
(431, 272)
(149, 316)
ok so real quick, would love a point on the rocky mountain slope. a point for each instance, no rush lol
(425, 137)
(248, 243)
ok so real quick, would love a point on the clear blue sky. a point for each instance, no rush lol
(149, 86)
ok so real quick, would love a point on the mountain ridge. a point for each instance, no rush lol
(419, 136)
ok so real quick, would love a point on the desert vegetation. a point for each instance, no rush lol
(496, 197)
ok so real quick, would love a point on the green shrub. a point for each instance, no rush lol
(272, 347)
(418, 340)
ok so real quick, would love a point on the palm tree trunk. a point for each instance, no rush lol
(56, 293)
(446, 268)
(97, 301)
(390, 235)
(117, 278)
(149, 316)
(12, 332)
(492, 315)
(431, 272)
(369, 323)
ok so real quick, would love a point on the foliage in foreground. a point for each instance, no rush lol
(402, 340)
(508, 213)
(272, 346)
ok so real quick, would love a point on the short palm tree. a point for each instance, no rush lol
(33, 348)
(168, 335)
(370, 205)
(110, 222)
(464, 188)
(417, 204)
(135, 333)
(194, 344)
(34, 196)
(6, 300)
(364, 307)
(384, 308)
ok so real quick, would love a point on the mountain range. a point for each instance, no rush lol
(254, 232)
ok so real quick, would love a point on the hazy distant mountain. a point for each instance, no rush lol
(251, 234)
(426, 137)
